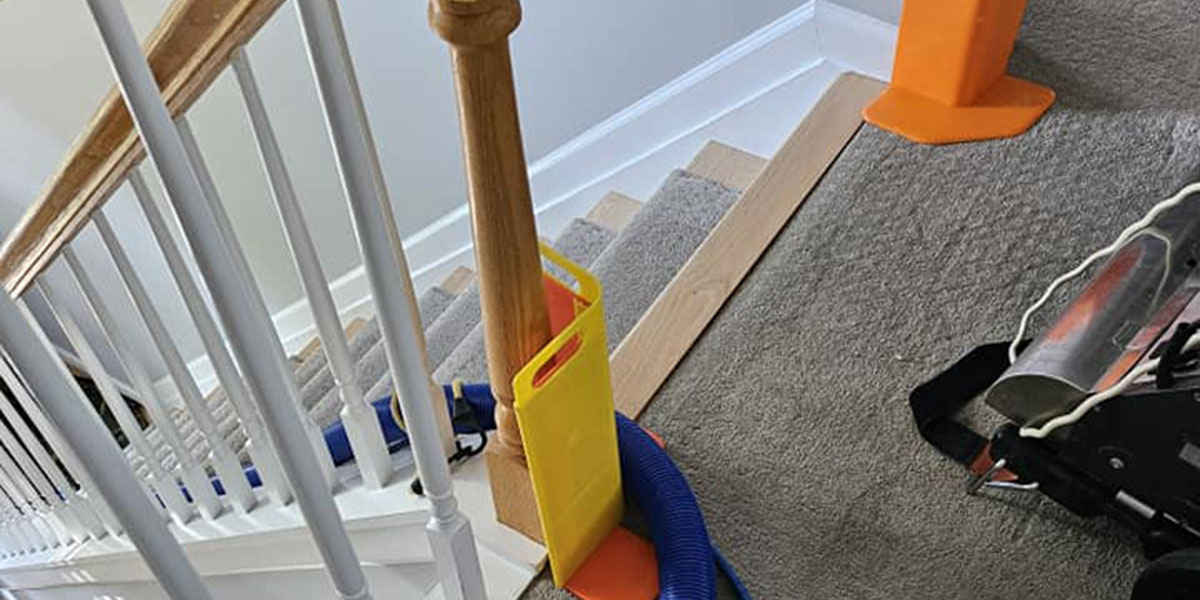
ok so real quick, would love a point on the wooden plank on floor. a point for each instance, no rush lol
(648, 355)
(458, 280)
(614, 211)
(729, 166)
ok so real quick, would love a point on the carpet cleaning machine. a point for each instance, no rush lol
(1105, 404)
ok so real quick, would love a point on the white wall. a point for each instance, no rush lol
(887, 10)
(577, 63)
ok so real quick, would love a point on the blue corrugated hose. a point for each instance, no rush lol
(687, 561)
(685, 557)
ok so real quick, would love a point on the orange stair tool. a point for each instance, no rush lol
(949, 82)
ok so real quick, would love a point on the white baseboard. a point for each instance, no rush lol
(856, 41)
(749, 95)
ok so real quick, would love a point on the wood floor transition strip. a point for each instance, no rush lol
(648, 355)
(614, 211)
(732, 167)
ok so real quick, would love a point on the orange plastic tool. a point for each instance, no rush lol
(949, 82)
(623, 567)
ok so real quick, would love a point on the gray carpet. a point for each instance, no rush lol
(635, 267)
(789, 416)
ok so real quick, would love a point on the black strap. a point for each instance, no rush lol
(1173, 354)
(935, 402)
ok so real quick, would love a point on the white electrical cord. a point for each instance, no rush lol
(1121, 240)
(1095, 399)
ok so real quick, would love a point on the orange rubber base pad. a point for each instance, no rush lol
(1008, 108)
(622, 568)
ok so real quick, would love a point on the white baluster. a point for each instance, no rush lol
(358, 417)
(225, 463)
(17, 525)
(19, 543)
(62, 516)
(22, 523)
(9, 548)
(245, 318)
(27, 499)
(424, 408)
(78, 506)
(10, 538)
(226, 363)
(34, 356)
(64, 526)
(161, 482)
(193, 474)
(87, 487)
(28, 502)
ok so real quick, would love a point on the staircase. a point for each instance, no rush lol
(635, 250)
(81, 516)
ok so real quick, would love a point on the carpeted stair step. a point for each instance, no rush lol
(312, 376)
(582, 241)
(636, 266)
(433, 303)
(314, 386)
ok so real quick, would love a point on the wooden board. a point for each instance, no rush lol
(614, 211)
(187, 51)
(729, 166)
(648, 355)
(314, 345)
(458, 280)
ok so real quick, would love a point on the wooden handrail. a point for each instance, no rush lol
(515, 320)
(190, 47)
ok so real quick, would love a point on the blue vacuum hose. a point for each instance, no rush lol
(687, 561)
(685, 554)
(477, 396)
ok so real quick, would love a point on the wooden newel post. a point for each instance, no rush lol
(516, 324)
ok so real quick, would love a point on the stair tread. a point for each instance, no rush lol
(635, 266)
(582, 241)
(729, 166)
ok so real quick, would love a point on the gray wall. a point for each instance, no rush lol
(888, 10)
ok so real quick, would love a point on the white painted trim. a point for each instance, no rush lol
(856, 41)
(741, 50)
(386, 527)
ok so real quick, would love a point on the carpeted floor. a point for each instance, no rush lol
(789, 415)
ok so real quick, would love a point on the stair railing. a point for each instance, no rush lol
(95, 493)
(63, 479)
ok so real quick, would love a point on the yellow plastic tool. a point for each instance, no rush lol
(563, 401)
